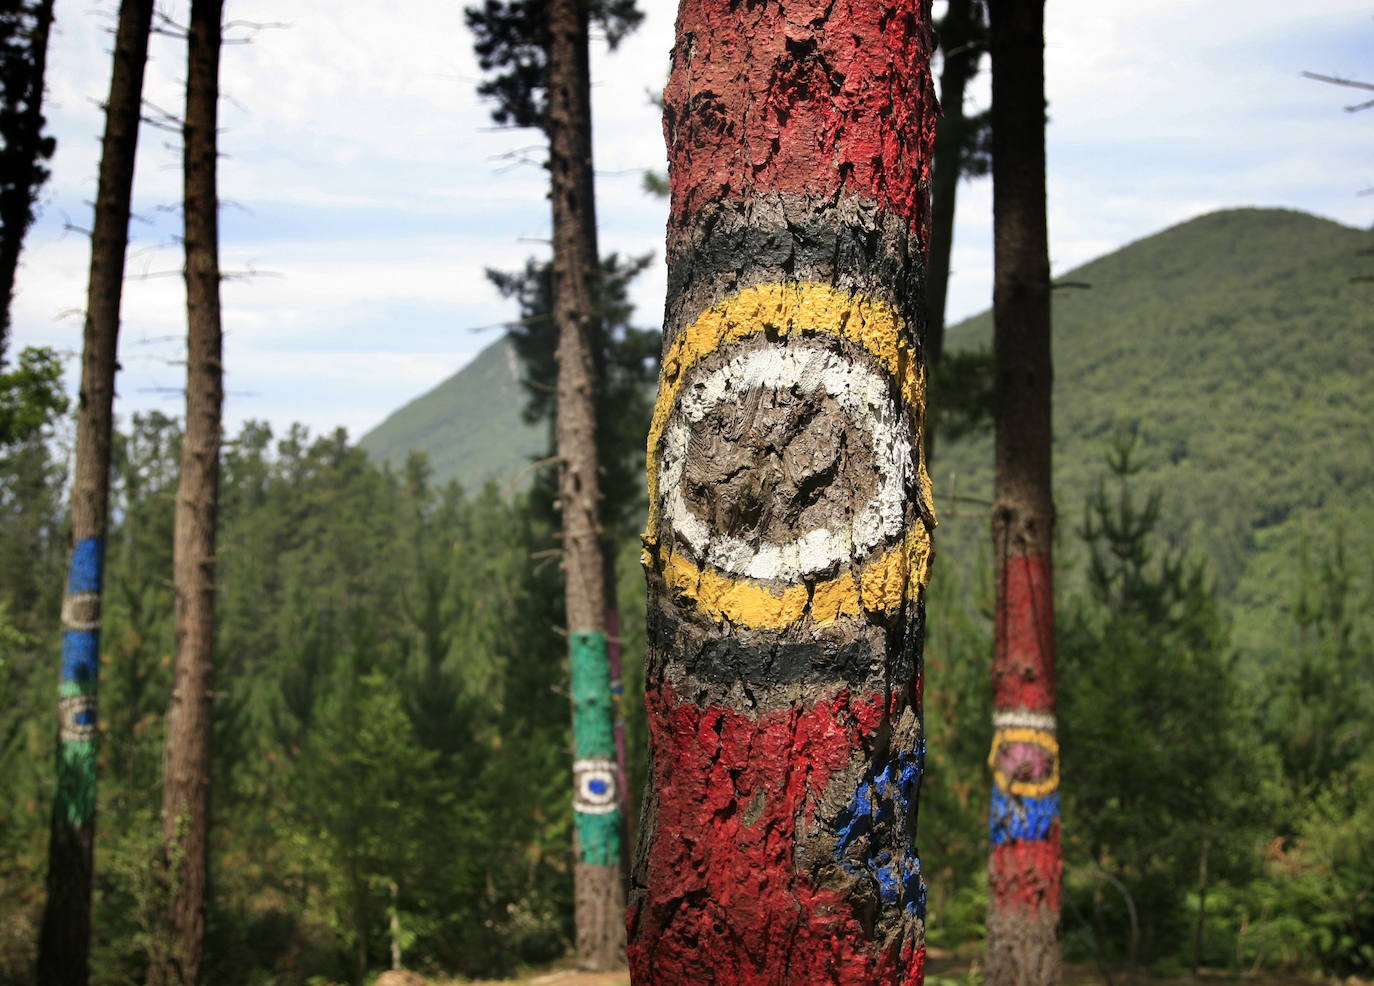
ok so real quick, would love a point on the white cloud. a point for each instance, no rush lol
(362, 171)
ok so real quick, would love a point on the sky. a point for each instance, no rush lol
(364, 188)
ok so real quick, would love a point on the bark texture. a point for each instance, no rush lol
(1026, 863)
(788, 539)
(186, 766)
(598, 893)
(64, 941)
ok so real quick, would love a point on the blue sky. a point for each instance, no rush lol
(365, 189)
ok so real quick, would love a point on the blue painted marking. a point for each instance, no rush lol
(1021, 818)
(80, 655)
(886, 796)
(86, 717)
(597, 786)
(88, 565)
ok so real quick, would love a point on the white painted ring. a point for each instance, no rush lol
(864, 395)
(594, 786)
(1023, 719)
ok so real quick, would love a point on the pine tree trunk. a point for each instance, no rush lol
(789, 532)
(186, 765)
(956, 35)
(64, 941)
(16, 201)
(1025, 864)
(598, 893)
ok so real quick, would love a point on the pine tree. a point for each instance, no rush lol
(190, 716)
(598, 894)
(958, 140)
(1026, 863)
(24, 29)
(65, 937)
(540, 49)
(788, 540)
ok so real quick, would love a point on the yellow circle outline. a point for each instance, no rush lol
(1025, 789)
(798, 308)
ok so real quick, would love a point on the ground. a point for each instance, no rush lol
(953, 970)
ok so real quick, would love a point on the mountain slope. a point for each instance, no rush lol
(1239, 345)
(469, 426)
(1236, 342)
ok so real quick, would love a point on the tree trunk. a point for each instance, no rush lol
(789, 511)
(1025, 864)
(25, 150)
(961, 60)
(598, 894)
(64, 941)
(186, 778)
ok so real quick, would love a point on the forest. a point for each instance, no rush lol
(404, 646)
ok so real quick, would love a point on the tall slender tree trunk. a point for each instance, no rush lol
(598, 894)
(16, 201)
(1025, 864)
(186, 765)
(788, 540)
(64, 941)
(960, 62)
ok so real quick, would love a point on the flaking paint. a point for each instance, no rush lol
(777, 104)
(770, 878)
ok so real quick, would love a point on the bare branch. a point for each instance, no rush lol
(1337, 80)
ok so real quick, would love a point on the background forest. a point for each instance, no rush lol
(392, 721)
(392, 731)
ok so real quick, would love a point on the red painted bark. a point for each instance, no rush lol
(745, 798)
(1024, 869)
(1016, 877)
(1022, 676)
(823, 110)
(776, 842)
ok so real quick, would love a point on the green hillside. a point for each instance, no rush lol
(1242, 348)
(469, 426)
(1237, 342)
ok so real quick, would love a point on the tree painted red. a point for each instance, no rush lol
(1022, 677)
(776, 841)
(1025, 873)
(788, 768)
(826, 112)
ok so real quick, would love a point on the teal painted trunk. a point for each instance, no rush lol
(595, 799)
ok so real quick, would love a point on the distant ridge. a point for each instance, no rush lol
(1237, 342)
(1242, 348)
(470, 426)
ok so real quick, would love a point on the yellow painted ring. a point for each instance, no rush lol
(1025, 789)
(797, 308)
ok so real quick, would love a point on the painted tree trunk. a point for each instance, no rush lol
(1025, 864)
(186, 765)
(788, 540)
(64, 941)
(599, 896)
(25, 152)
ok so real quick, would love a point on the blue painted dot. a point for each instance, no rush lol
(597, 786)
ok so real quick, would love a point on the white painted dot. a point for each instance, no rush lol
(864, 396)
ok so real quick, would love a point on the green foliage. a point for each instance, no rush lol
(1160, 773)
(1240, 345)
(512, 42)
(31, 395)
(625, 361)
(24, 150)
